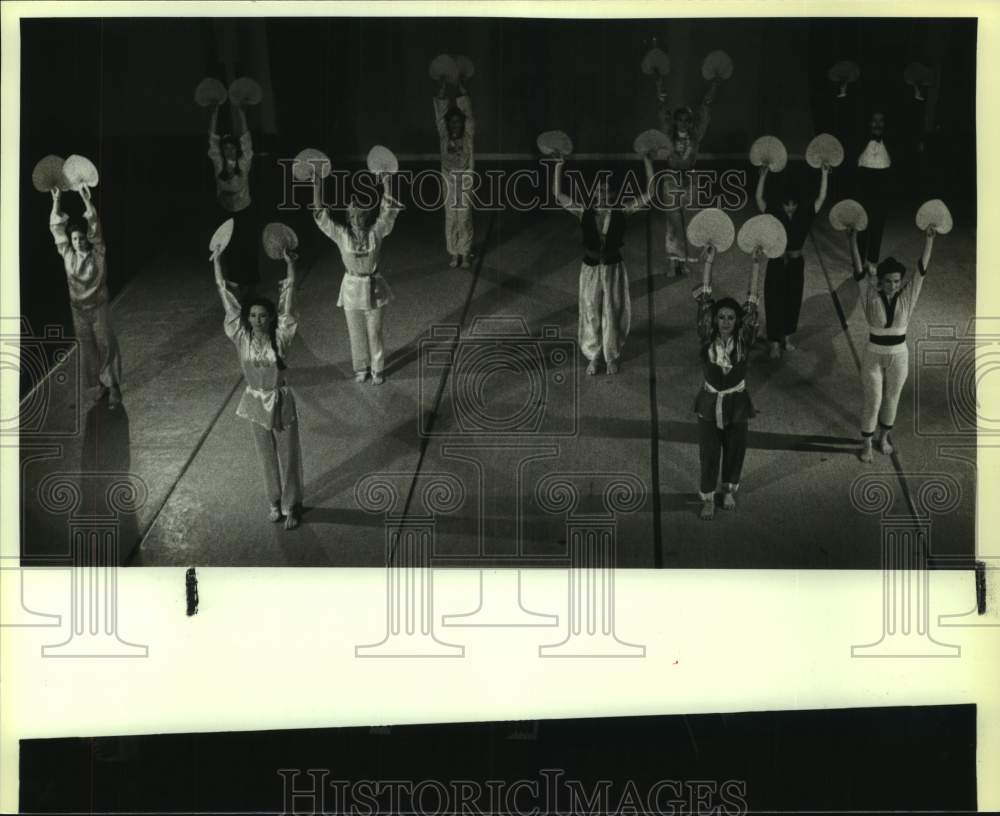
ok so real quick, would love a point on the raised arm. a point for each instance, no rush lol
(703, 115)
(57, 222)
(643, 201)
(464, 103)
(214, 151)
(751, 316)
(232, 324)
(823, 181)
(703, 296)
(856, 265)
(663, 112)
(388, 210)
(246, 141)
(330, 228)
(287, 321)
(562, 199)
(761, 181)
(441, 108)
(925, 260)
(94, 233)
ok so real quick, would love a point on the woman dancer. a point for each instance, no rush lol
(84, 260)
(605, 304)
(363, 292)
(888, 301)
(231, 160)
(685, 128)
(456, 128)
(262, 334)
(727, 332)
(785, 276)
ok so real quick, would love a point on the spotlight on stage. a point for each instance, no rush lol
(502, 380)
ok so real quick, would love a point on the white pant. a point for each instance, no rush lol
(883, 375)
(281, 461)
(100, 359)
(457, 217)
(364, 327)
(605, 311)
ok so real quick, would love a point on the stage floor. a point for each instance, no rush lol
(472, 441)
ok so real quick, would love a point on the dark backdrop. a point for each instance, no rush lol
(120, 91)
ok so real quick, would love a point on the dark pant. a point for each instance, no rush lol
(731, 443)
(873, 195)
(783, 296)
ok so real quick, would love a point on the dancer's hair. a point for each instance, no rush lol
(888, 267)
(272, 313)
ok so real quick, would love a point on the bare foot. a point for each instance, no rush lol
(360, 376)
(114, 397)
(707, 509)
(775, 351)
(292, 519)
(592, 368)
(885, 446)
(613, 367)
(728, 501)
(274, 514)
(453, 262)
(377, 379)
(865, 454)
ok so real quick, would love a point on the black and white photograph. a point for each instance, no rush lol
(710, 283)
(445, 408)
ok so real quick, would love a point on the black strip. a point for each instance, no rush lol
(887, 339)
(426, 439)
(981, 587)
(889, 306)
(654, 412)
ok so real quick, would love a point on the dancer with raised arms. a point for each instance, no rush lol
(262, 334)
(605, 303)
(364, 292)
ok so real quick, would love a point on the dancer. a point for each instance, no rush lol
(262, 334)
(456, 128)
(685, 129)
(231, 160)
(727, 332)
(83, 253)
(785, 277)
(363, 292)
(887, 301)
(605, 304)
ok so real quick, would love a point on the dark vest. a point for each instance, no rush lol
(600, 249)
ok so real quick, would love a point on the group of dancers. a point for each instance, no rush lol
(262, 331)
